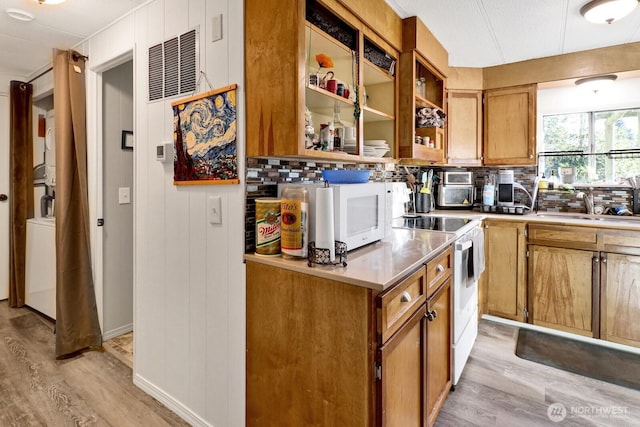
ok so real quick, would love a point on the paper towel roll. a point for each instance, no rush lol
(324, 221)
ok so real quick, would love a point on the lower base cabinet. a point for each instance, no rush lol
(620, 288)
(326, 353)
(562, 288)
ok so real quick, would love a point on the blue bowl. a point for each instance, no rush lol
(346, 176)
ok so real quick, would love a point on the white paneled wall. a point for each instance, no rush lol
(189, 279)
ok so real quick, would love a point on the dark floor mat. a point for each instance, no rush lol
(602, 363)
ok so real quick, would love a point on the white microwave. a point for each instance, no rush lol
(362, 212)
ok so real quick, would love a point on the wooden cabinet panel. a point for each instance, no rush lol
(505, 260)
(464, 127)
(510, 126)
(562, 288)
(439, 354)
(400, 302)
(439, 269)
(620, 289)
(622, 241)
(309, 357)
(402, 361)
(564, 236)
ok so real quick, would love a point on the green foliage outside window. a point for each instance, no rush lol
(595, 134)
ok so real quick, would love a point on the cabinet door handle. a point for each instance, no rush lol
(405, 297)
(604, 260)
(440, 268)
(430, 315)
(3, 197)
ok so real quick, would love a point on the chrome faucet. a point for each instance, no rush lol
(588, 200)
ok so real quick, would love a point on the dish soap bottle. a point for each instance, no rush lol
(553, 181)
(543, 184)
(294, 222)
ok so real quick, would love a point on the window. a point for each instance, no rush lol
(602, 146)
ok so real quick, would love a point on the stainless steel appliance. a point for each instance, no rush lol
(455, 190)
(505, 188)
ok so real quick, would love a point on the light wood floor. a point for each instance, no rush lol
(497, 388)
(92, 389)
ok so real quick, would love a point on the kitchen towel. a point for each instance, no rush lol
(476, 262)
(325, 238)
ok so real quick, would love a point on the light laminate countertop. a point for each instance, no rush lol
(378, 265)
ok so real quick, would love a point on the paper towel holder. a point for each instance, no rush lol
(323, 256)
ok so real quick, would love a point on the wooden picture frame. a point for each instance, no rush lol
(127, 140)
(205, 138)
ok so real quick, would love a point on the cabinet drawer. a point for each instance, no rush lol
(438, 269)
(622, 241)
(400, 302)
(564, 236)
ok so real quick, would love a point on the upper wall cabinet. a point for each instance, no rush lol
(464, 127)
(510, 126)
(319, 83)
(422, 87)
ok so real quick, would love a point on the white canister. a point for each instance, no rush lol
(488, 195)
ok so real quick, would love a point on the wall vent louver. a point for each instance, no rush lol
(155, 72)
(173, 66)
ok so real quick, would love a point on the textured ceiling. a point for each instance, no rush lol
(482, 33)
(26, 47)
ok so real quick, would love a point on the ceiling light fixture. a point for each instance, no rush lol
(50, 1)
(20, 15)
(607, 11)
(596, 83)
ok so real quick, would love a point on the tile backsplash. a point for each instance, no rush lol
(264, 174)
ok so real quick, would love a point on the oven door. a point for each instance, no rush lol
(465, 294)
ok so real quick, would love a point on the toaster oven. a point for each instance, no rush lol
(455, 196)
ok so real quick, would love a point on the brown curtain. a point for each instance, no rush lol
(77, 326)
(21, 187)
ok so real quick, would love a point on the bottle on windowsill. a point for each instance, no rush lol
(553, 181)
(543, 184)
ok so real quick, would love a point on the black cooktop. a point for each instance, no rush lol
(434, 223)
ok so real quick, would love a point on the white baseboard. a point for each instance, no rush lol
(168, 401)
(117, 332)
(550, 331)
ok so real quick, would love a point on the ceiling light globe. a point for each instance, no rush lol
(607, 11)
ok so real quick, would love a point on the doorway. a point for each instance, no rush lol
(118, 199)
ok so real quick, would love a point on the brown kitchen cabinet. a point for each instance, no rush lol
(281, 45)
(414, 66)
(510, 126)
(505, 293)
(321, 352)
(464, 128)
(562, 287)
(620, 287)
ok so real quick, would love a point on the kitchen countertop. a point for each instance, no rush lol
(598, 221)
(378, 265)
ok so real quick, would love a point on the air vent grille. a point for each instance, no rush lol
(188, 58)
(155, 72)
(173, 66)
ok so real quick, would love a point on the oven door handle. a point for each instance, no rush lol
(463, 246)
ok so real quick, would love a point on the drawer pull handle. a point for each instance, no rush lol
(430, 315)
(440, 268)
(405, 297)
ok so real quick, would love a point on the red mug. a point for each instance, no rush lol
(345, 93)
(332, 85)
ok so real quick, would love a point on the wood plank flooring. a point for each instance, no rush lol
(92, 389)
(497, 388)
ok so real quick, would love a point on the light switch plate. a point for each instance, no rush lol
(214, 210)
(124, 195)
(216, 28)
